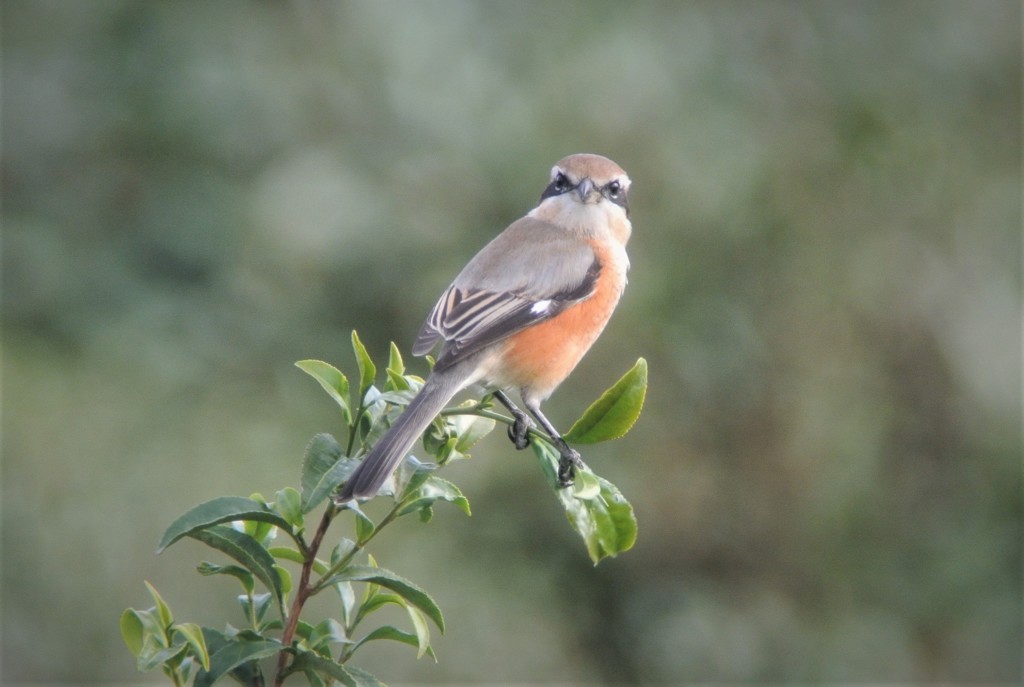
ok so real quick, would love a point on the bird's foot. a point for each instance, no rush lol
(519, 430)
(568, 460)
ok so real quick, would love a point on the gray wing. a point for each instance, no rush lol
(528, 274)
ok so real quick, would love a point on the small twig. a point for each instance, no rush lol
(480, 410)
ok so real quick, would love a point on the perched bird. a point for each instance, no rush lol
(522, 313)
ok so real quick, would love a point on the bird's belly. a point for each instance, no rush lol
(536, 360)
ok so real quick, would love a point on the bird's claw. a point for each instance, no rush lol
(568, 460)
(519, 432)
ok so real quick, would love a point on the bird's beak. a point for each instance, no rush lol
(585, 188)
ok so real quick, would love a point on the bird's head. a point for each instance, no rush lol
(585, 188)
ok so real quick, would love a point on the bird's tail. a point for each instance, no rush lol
(389, 451)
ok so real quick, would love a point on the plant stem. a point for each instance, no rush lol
(481, 410)
(356, 548)
(353, 429)
(302, 592)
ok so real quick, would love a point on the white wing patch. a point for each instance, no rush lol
(540, 307)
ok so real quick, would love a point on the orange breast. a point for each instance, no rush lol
(539, 358)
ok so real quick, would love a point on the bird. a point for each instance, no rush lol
(521, 314)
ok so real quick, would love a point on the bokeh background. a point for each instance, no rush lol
(826, 283)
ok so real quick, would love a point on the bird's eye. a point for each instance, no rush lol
(559, 184)
(615, 191)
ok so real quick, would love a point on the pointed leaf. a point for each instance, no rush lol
(289, 554)
(309, 662)
(246, 673)
(394, 634)
(322, 454)
(152, 626)
(193, 636)
(615, 412)
(412, 474)
(328, 631)
(153, 655)
(395, 362)
(288, 503)
(471, 429)
(364, 526)
(331, 480)
(401, 586)
(163, 610)
(286, 579)
(396, 371)
(347, 596)
(332, 380)
(374, 599)
(232, 655)
(244, 576)
(220, 510)
(247, 551)
(432, 490)
(422, 630)
(367, 370)
(604, 520)
(255, 607)
(587, 485)
(132, 631)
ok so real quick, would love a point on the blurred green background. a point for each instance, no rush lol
(826, 284)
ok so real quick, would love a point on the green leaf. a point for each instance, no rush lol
(263, 532)
(255, 606)
(395, 362)
(587, 485)
(604, 520)
(396, 371)
(347, 596)
(327, 632)
(367, 370)
(394, 634)
(303, 629)
(470, 429)
(323, 469)
(232, 655)
(332, 479)
(153, 655)
(163, 610)
(288, 503)
(288, 554)
(309, 662)
(247, 551)
(434, 489)
(401, 586)
(285, 577)
(153, 627)
(193, 636)
(220, 510)
(375, 599)
(131, 631)
(411, 476)
(246, 673)
(244, 576)
(419, 624)
(615, 412)
(364, 526)
(333, 382)
(606, 523)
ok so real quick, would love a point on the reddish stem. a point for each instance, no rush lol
(302, 593)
